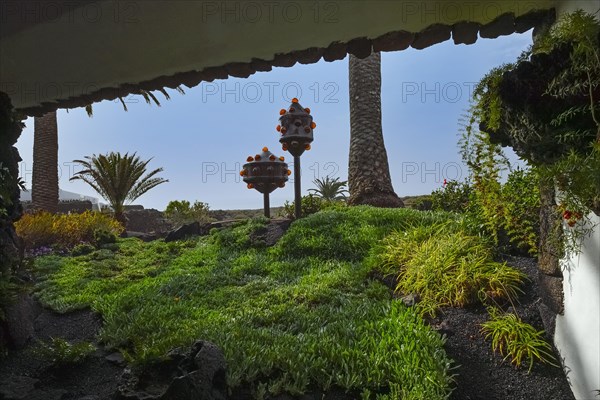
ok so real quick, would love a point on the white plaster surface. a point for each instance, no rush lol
(577, 336)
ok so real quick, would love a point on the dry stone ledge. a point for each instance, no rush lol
(147, 221)
(19, 317)
(433, 34)
(309, 56)
(187, 230)
(465, 32)
(17, 387)
(197, 373)
(501, 26)
(335, 51)
(393, 41)
(271, 233)
(360, 47)
(551, 292)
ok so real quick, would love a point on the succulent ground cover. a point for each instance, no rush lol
(303, 314)
(319, 312)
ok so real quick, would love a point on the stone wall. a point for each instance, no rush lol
(11, 248)
(10, 207)
(147, 221)
(64, 207)
(550, 276)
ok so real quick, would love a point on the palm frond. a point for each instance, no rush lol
(148, 96)
(123, 102)
(164, 92)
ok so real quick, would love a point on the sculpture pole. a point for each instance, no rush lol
(297, 188)
(267, 205)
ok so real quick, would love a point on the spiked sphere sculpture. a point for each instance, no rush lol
(296, 127)
(265, 172)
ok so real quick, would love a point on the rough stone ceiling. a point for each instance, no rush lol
(80, 52)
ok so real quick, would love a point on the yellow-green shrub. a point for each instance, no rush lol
(446, 267)
(63, 230)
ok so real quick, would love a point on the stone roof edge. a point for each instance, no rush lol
(462, 33)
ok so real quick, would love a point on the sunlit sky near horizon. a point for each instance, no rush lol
(202, 138)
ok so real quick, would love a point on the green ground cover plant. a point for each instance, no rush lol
(302, 314)
(61, 353)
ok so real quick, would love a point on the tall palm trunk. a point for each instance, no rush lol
(368, 171)
(44, 186)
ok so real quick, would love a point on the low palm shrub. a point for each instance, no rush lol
(330, 189)
(118, 178)
(516, 339)
(64, 230)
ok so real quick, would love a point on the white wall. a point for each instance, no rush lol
(577, 336)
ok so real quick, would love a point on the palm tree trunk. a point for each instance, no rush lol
(44, 186)
(368, 171)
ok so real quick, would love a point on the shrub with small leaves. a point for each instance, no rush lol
(104, 236)
(63, 230)
(62, 353)
(454, 196)
(521, 195)
(82, 249)
(422, 203)
(183, 212)
(310, 204)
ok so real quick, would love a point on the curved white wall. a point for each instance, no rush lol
(577, 335)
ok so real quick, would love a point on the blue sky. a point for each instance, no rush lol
(202, 138)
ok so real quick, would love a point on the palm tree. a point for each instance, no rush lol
(44, 185)
(118, 178)
(368, 169)
(330, 189)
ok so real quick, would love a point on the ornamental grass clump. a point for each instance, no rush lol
(446, 267)
(517, 340)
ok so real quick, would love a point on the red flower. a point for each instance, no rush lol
(445, 182)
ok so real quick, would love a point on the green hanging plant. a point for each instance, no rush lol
(546, 106)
